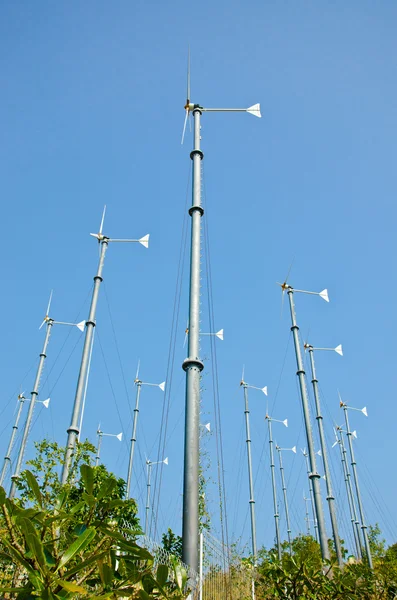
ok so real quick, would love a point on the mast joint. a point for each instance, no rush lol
(197, 207)
(189, 363)
(197, 151)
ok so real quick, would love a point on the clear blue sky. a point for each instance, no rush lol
(91, 113)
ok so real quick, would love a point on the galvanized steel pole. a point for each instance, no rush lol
(29, 417)
(193, 366)
(350, 495)
(330, 495)
(305, 454)
(275, 505)
(285, 499)
(314, 476)
(250, 478)
(359, 502)
(73, 431)
(98, 450)
(149, 473)
(133, 438)
(7, 458)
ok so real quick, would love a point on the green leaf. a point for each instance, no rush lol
(78, 546)
(72, 587)
(50, 560)
(34, 486)
(32, 539)
(85, 563)
(144, 595)
(162, 574)
(3, 496)
(87, 475)
(180, 576)
(107, 487)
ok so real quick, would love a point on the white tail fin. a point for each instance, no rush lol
(364, 411)
(45, 403)
(144, 240)
(162, 386)
(294, 449)
(264, 390)
(285, 422)
(255, 110)
(119, 436)
(219, 334)
(165, 461)
(80, 325)
(324, 295)
(338, 349)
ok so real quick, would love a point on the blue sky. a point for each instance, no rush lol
(92, 113)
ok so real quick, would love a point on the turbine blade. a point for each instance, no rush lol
(49, 304)
(242, 376)
(162, 386)
(45, 321)
(324, 295)
(255, 110)
(95, 235)
(339, 350)
(219, 334)
(334, 444)
(137, 371)
(102, 220)
(80, 325)
(144, 240)
(184, 125)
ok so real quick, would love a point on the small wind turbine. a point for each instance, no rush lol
(139, 383)
(245, 387)
(355, 476)
(284, 487)
(149, 465)
(313, 474)
(219, 334)
(319, 418)
(100, 435)
(272, 467)
(74, 428)
(349, 489)
(192, 364)
(49, 322)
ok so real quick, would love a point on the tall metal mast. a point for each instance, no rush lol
(7, 458)
(314, 476)
(319, 417)
(74, 428)
(349, 491)
(139, 383)
(149, 465)
(355, 476)
(272, 467)
(311, 495)
(279, 450)
(307, 518)
(34, 394)
(192, 365)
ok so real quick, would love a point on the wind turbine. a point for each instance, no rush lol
(74, 428)
(139, 383)
(193, 365)
(323, 445)
(349, 489)
(272, 467)
(100, 435)
(48, 322)
(280, 450)
(149, 465)
(245, 387)
(355, 476)
(313, 474)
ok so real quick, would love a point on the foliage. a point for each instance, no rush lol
(172, 543)
(77, 540)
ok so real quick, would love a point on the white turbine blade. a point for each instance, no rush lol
(119, 436)
(208, 427)
(162, 386)
(45, 320)
(242, 375)
(285, 422)
(144, 240)
(219, 334)
(102, 220)
(324, 295)
(354, 434)
(184, 125)
(165, 461)
(80, 325)
(49, 304)
(255, 110)
(294, 449)
(334, 444)
(95, 235)
(318, 452)
(338, 349)
(45, 403)
(264, 390)
(364, 411)
(137, 371)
